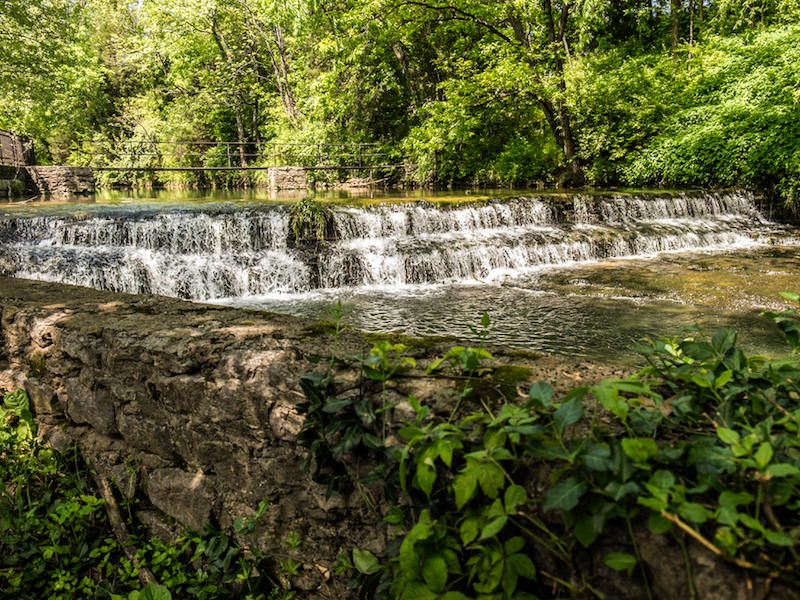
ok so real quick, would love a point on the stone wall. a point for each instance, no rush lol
(62, 181)
(199, 402)
(287, 178)
(192, 409)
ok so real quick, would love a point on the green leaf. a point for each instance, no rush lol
(366, 562)
(728, 436)
(751, 522)
(663, 479)
(565, 495)
(585, 532)
(568, 414)
(693, 512)
(494, 527)
(514, 545)
(454, 596)
(640, 450)
(763, 455)
(522, 565)
(782, 470)
(469, 530)
(416, 590)
(540, 394)
(724, 340)
(425, 478)
(420, 531)
(514, 496)
(732, 500)
(778, 539)
(490, 478)
(658, 524)
(621, 562)
(154, 591)
(434, 572)
(597, 457)
(465, 484)
(334, 405)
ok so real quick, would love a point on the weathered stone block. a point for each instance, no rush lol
(184, 496)
(92, 407)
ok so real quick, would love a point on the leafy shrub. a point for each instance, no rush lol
(709, 449)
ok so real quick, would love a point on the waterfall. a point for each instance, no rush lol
(218, 251)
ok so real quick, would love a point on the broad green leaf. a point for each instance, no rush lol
(640, 450)
(751, 522)
(621, 562)
(465, 484)
(568, 414)
(778, 539)
(425, 478)
(597, 457)
(663, 479)
(723, 379)
(333, 405)
(434, 572)
(154, 591)
(658, 524)
(514, 496)
(540, 394)
(454, 596)
(619, 490)
(724, 340)
(763, 455)
(417, 590)
(584, 530)
(565, 495)
(420, 531)
(493, 527)
(522, 565)
(693, 512)
(491, 479)
(365, 562)
(732, 500)
(514, 545)
(782, 470)
(469, 530)
(728, 436)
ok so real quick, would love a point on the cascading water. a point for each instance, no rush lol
(396, 257)
(233, 253)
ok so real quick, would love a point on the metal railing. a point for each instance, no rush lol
(150, 155)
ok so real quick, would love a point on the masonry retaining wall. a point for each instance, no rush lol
(62, 181)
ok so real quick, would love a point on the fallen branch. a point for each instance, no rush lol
(121, 531)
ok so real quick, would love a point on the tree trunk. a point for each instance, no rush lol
(563, 132)
(675, 21)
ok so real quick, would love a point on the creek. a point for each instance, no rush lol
(583, 274)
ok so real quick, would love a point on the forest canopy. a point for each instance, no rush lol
(514, 92)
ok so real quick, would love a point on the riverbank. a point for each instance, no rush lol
(199, 401)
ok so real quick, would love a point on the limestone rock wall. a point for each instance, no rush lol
(62, 181)
(287, 178)
(192, 408)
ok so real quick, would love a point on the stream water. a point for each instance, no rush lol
(583, 274)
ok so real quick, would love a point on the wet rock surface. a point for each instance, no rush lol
(193, 406)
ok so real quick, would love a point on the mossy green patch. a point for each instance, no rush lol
(412, 343)
(522, 354)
